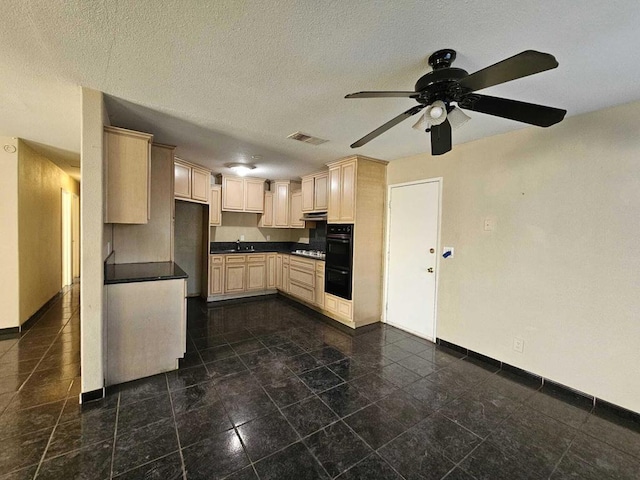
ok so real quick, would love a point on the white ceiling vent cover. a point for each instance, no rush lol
(303, 137)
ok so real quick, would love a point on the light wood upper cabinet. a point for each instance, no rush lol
(200, 184)
(242, 194)
(266, 220)
(308, 193)
(191, 182)
(296, 210)
(182, 177)
(127, 175)
(342, 192)
(315, 192)
(233, 194)
(281, 205)
(321, 192)
(253, 195)
(215, 206)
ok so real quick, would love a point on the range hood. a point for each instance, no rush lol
(314, 217)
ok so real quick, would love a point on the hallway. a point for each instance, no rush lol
(39, 375)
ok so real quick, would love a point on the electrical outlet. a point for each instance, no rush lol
(242, 238)
(268, 237)
(518, 345)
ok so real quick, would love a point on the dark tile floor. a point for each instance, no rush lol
(267, 391)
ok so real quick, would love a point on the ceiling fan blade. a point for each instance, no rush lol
(441, 138)
(520, 65)
(514, 110)
(391, 123)
(382, 94)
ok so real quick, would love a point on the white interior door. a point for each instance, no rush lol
(412, 257)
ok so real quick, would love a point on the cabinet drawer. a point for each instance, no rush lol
(345, 308)
(330, 303)
(302, 263)
(338, 306)
(302, 277)
(236, 258)
(216, 259)
(256, 258)
(305, 293)
(320, 266)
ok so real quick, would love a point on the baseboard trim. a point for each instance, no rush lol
(30, 322)
(600, 406)
(92, 395)
(10, 332)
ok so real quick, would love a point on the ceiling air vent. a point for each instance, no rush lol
(303, 137)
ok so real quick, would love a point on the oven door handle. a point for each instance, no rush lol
(335, 270)
(339, 240)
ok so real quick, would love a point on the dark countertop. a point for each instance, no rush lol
(245, 252)
(142, 272)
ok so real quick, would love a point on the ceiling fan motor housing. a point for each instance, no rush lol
(442, 82)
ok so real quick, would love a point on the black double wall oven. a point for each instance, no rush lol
(339, 261)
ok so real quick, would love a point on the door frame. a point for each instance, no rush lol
(387, 246)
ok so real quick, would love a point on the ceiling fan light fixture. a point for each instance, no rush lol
(423, 123)
(457, 118)
(240, 169)
(436, 112)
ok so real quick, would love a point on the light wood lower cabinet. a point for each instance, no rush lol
(319, 300)
(236, 275)
(256, 272)
(216, 270)
(271, 271)
(338, 306)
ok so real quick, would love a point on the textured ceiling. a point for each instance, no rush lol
(229, 79)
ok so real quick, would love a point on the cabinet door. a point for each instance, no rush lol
(347, 191)
(253, 195)
(319, 284)
(271, 271)
(232, 194)
(334, 195)
(285, 278)
(321, 192)
(256, 276)
(234, 277)
(296, 210)
(279, 272)
(307, 194)
(200, 185)
(182, 180)
(215, 206)
(281, 207)
(266, 220)
(216, 266)
(127, 176)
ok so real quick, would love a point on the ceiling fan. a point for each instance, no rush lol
(445, 85)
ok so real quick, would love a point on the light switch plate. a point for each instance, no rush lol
(518, 345)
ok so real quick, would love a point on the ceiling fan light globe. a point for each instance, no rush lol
(436, 112)
(457, 118)
(423, 123)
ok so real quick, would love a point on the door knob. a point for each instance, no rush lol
(430, 269)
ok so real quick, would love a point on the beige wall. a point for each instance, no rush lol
(93, 242)
(40, 185)
(561, 270)
(236, 224)
(9, 280)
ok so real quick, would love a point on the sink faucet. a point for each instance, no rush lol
(238, 245)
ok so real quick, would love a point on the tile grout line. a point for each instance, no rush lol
(44, 453)
(115, 435)
(175, 426)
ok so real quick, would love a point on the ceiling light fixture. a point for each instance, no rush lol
(437, 112)
(240, 169)
(457, 118)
